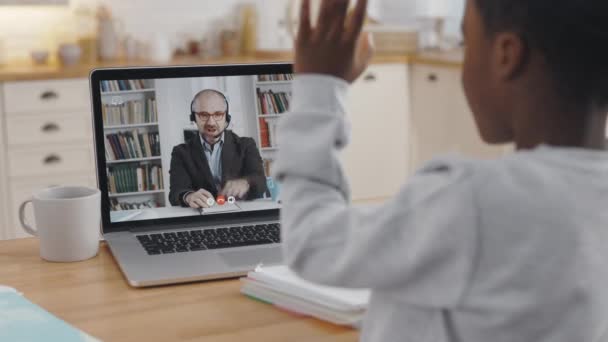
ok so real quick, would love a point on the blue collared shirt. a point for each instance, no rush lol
(214, 158)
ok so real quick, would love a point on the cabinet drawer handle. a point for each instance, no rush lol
(50, 127)
(52, 159)
(433, 78)
(49, 95)
(370, 78)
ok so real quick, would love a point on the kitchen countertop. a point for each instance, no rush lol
(27, 71)
(451, 59)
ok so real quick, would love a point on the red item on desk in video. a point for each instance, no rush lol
(221, 200)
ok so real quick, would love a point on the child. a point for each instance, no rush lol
(509, 250)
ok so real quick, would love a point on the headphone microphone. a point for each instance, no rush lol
(193, 114)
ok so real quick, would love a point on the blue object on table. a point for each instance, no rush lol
(21, 320)
(273, 187)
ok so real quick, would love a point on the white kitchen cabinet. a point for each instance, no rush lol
(376, 161)
(441, 121)
(41, 97)
(43, 129)
(47, 141)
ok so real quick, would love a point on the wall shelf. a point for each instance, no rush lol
(139, 193)
(149, 124)
(131, 160)
(123, 92)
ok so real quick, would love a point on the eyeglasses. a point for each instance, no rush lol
(217, 116)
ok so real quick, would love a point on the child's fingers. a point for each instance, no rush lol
(357, 20)
(336, 28)
(304, 29)
(365, 47)
(328, 10)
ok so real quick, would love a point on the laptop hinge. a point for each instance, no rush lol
(199, 225)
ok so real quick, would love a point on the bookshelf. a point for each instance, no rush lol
(132, 143)
(272, 94)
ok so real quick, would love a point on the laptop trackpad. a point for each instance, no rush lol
(252, 257)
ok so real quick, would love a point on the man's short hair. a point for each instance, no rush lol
(572, 35)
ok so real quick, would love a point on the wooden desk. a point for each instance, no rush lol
(93, 296)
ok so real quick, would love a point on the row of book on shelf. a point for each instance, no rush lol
(135, 178)
(270, 102)
(122, 85)
(120, 206)
(268, 130)
(130, 112)
(275, 77)
(132, 144)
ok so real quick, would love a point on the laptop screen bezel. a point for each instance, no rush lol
(109, 74)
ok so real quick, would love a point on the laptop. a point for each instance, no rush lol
(183, 158)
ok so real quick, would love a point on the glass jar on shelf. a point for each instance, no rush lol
(249, 23)
(86, 25)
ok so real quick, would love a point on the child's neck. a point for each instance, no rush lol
(561, 125)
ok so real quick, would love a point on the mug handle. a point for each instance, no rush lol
(26, 226)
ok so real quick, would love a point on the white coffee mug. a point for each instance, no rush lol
(67, 222)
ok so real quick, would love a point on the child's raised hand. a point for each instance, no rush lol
(335, 46)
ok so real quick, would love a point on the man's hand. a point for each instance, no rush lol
(198, 199)
(335, 46)
(237, 188)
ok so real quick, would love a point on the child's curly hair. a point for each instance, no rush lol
(572, 35)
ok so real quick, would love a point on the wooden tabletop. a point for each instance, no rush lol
(93, 296)
(25, 70)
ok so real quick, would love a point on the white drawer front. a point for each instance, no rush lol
(50, 160)
(46, 96)
(23, 190)
(46, 128)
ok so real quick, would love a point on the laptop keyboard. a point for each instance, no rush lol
(198, 240)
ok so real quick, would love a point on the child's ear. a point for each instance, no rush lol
(510, 55)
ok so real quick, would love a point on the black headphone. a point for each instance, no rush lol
(192, 113)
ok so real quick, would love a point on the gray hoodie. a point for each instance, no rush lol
(509, 250)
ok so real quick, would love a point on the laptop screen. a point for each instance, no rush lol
(191, 146)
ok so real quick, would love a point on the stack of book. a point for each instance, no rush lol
(281, 287)
(275, 77)
(131, 145)
(130, 112)
(270, 103)
(135, 178)
(122, 85)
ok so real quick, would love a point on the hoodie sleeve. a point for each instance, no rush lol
(412, 245)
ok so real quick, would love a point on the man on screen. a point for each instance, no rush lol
(218, 162)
